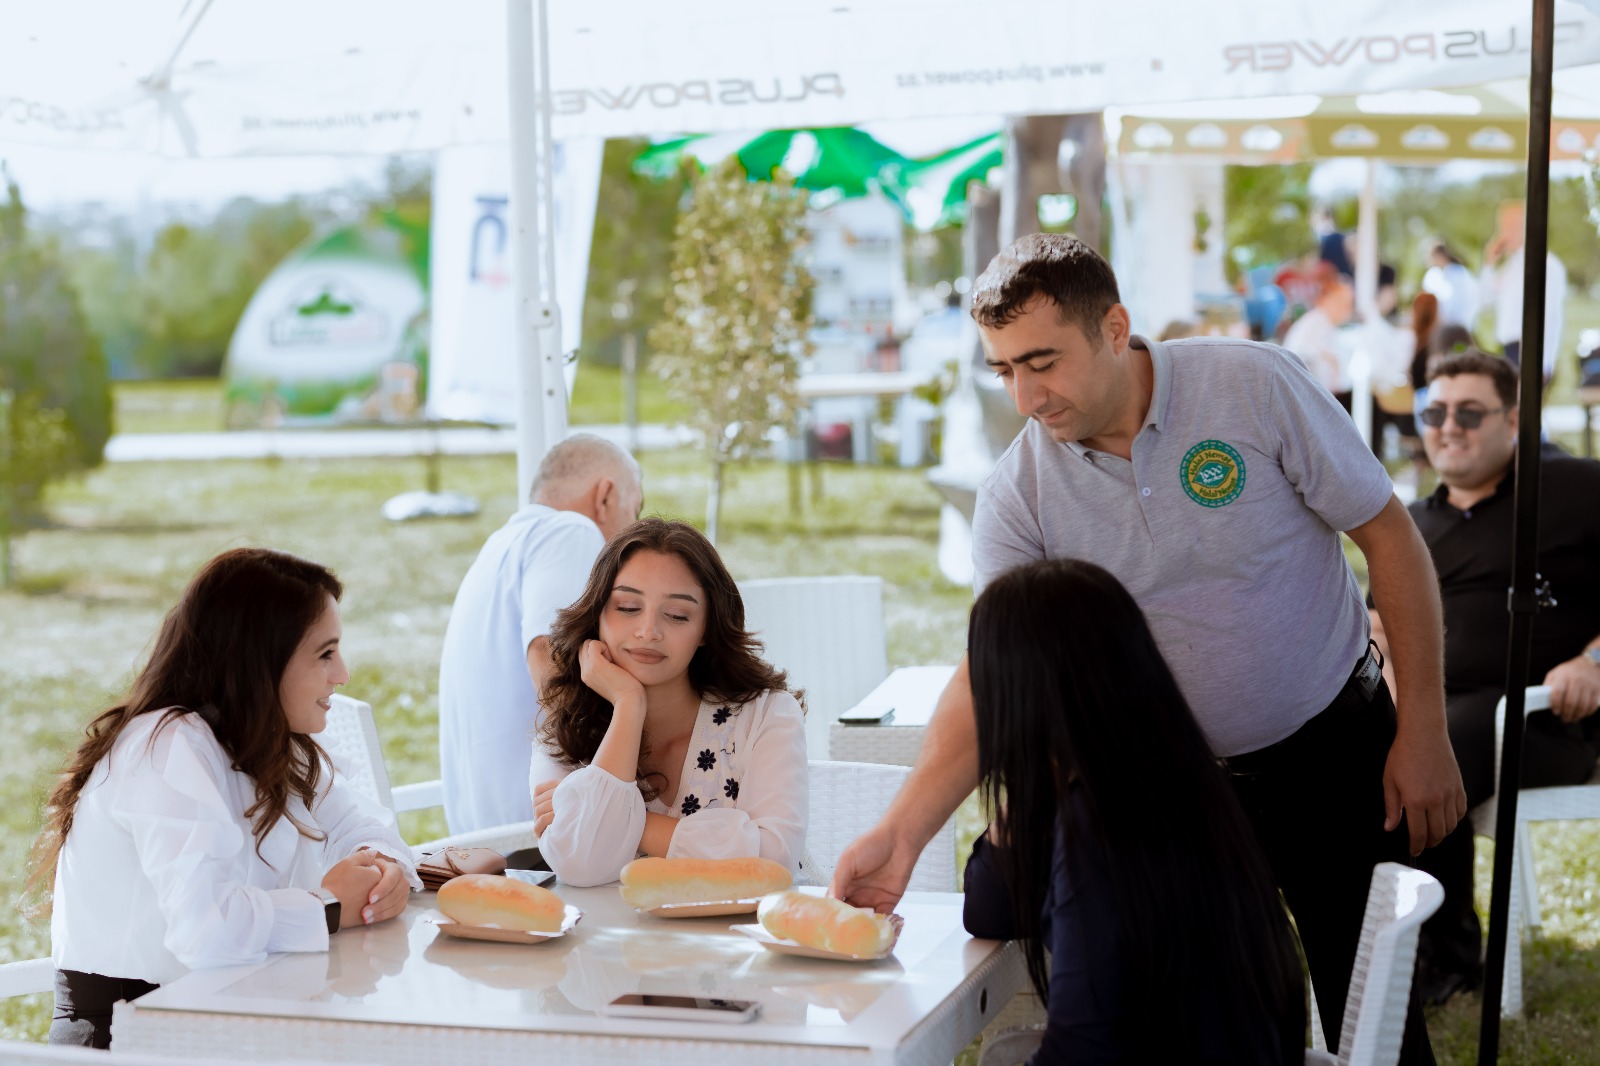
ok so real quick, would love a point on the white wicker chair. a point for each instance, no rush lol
(1558, 803)
(1398, 902)
(847, 799)
(351, 737)
(827, 632)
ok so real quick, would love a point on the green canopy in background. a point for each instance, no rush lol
(932, 192)
(834, 163)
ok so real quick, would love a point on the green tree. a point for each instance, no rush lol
(198, 280)
(55, 393)
(1268, 211)
(631, 255)
(738, 315)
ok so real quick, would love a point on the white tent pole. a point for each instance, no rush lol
(551, 357)
(531, 311)
(1361, 367)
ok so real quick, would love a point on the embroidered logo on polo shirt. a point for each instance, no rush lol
(1212, 473)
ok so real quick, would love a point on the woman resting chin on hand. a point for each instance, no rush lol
(199, 824)
(663, 732)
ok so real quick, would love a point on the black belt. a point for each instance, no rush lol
(1358, 691)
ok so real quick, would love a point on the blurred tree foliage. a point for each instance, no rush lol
(738, 316)
(1269, 219)
(1268, 211)
(631, 256)
(52, 367)
(169, 311)
(1418, 210)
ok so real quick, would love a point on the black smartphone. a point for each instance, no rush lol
(868, 714)
(682, 1008)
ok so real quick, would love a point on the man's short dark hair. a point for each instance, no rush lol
(1496, 368)
(1057, 266)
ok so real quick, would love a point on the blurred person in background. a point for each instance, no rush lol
(1314, 337)
(1452, 284)
(1502, 285)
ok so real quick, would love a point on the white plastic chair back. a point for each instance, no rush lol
(1398, 902)
(827, 633)
(847, 799)
(1554, 804)
(27, 977)
(351, 738)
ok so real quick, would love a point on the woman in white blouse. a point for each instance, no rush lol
(664, 733)
(199, 824)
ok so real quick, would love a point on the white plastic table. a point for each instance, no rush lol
(403, 992)
(912, 691)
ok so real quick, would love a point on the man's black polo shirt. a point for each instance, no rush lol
(1472, 553)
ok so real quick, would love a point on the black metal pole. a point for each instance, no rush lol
(1523, 597)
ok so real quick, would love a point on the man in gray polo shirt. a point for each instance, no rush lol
(1212, 477)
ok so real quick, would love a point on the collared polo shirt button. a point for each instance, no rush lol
(1144, 492)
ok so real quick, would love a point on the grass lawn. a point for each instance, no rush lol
(125, 538)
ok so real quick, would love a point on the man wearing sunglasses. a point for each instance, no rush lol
(1469, 430)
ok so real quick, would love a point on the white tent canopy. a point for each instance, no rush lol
(210, 78)
(233, 77)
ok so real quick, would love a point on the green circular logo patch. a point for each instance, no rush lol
(1212, 473)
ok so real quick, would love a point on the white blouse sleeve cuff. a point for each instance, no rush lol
(299, 922)
(598, 822)
(401, 854)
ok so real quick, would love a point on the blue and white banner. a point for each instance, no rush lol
(472, 363)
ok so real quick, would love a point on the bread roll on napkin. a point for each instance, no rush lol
(828, 924)
(655, 882)
(501, 903)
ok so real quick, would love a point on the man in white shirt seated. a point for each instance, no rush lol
(495, 653)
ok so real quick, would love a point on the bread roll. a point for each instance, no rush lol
(501, 903)
(655, 882)
(828, 924)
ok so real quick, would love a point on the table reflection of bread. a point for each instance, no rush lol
(827, 924)
(502, 903)
(655, 882)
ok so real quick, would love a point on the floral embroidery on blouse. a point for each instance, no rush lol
(709, 782)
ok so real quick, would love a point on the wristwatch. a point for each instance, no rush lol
(1592, 654)
(331, 908)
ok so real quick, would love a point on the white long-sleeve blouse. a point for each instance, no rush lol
(742, 792)
(160, 874)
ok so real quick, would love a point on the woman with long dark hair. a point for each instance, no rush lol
(199, 823)
(664, 732)
(1118, 846)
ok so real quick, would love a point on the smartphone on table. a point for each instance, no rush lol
(682, 1008)
(868, 714)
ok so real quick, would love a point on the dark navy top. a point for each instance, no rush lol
(1079, 928)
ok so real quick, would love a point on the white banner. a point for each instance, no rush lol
(472, 363)
(372, 76)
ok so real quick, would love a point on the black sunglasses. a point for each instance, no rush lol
(1466, 417)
